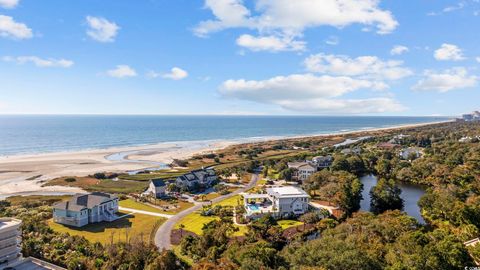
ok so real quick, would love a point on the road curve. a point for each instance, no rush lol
(162, 236)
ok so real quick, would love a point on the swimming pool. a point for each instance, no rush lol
(253, 207)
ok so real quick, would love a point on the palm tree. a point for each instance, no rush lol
(182, 226)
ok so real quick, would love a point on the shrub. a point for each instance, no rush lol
(100, 176)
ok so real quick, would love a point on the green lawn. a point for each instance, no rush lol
(194, 222)
(129, 203)
(285, 224)
(233, 201)
(104, 232)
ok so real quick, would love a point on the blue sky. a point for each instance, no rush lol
(326, 57)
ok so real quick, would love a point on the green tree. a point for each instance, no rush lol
(385, 196)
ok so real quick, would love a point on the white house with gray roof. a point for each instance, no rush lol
(302, 170)
(83, 209)
(157, 188)
(280, 202)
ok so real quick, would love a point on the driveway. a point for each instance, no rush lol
(144, 212)
(162, 237)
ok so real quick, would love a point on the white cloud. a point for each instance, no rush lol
(455, 7)
(363, 66)
(310, 93)
(450, 79)
(102, 30)
(449, 52)
(345, 106)
(122, 71)
(9, 3)
(270, 43)
(39, 62)
(478, 59)
(458, 6)
(398, 50)
(289, 19)
(332, 40)
(174, 74)
(9, 28)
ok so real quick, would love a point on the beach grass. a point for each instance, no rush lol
(129, 227)
(47, 199)
(164, 174)
(104, 185)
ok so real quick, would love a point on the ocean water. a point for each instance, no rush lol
(29, 134)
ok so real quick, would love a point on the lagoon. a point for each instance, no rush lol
(410, 194)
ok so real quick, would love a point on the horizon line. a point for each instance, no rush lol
(270, 115)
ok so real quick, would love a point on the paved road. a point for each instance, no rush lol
(145, 212)
(162, 237)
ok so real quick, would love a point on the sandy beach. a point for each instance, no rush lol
(25, 174)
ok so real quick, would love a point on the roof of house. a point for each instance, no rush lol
(322, 158)
(158, 182)
(83, 201)
(287, 192)
(9, 223)
(387, 145)
(298, 165)
(197, 175)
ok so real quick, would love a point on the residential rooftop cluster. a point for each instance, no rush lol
(473, 116)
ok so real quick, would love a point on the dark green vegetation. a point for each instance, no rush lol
(385, 196)
(338, 187)
(386, 239)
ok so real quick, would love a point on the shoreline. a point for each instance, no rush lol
(255, 139)
(16, 170)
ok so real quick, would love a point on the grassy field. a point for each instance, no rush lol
(129, 203)
(194, 222)
(16, 200)
(165, 174)
(285, 224)
(106, 185)
(105, 232)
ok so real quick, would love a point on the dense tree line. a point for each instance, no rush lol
(339, 187)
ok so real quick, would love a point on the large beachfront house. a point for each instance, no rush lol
(83, 209)
(301, 170)
(322, 162)
(197, 178)
(280, 202)
(157, 188)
